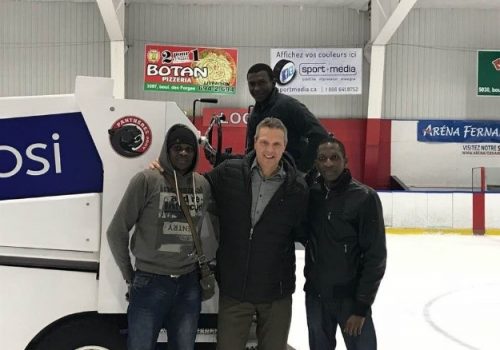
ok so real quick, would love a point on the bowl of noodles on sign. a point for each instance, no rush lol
(220, 65)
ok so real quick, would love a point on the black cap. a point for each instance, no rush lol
(181, 134)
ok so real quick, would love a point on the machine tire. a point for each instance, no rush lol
(205, 346)
(86, 331)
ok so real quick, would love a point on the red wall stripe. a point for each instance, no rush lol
(352, 132)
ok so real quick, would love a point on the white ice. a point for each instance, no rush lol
(440, 292)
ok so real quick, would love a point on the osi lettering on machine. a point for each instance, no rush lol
(31, 156)
(47, 155)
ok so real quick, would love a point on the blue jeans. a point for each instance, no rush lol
(158, 301)
(323, 318)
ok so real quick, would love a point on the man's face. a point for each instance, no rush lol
(260, 85)
(269, 147)
(181, 155)
(330, 162)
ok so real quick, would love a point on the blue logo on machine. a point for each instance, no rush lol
(47, 155)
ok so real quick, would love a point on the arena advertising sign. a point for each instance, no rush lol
(483, 149)
(318, 71)
(47, 156)
(190, 69)
(463, 131)
(488, 73)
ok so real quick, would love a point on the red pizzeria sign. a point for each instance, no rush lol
(190, 69)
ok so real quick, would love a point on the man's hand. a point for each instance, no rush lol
(354, 325)
(209, 156)
(127, 295)
(155, 164)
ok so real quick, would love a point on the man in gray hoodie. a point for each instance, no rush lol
(164, 287)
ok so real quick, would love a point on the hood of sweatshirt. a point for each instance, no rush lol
(164, 158)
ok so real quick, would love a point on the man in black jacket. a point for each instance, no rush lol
(260, 202)
(345, 255)
(304, 130)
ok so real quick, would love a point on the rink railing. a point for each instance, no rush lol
(439, 212)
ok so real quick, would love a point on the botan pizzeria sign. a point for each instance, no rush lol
(205, 70)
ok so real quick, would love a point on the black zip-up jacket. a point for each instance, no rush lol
(346, 252)
(256, 264)
(304, 130)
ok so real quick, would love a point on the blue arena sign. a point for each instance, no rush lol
(458, 131)
(47, 155)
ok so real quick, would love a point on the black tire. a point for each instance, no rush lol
(205, 346)
(256, 348)
(86, 330)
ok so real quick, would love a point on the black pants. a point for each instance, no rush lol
(323, 319)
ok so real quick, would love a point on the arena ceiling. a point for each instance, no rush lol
(355, 4)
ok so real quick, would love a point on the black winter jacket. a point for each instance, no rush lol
(304, 130)
(256, 264)
(346, 252)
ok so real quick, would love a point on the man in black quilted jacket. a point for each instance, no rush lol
(345, 254)
(260, 202)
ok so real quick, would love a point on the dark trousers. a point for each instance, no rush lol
(323, 317)
(156, 301)
(235, 319)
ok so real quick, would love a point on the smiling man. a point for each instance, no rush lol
(260, 202)
(345, 254)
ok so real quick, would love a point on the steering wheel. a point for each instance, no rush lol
(214, 155)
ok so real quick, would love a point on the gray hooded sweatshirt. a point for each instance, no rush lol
(161, 242)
